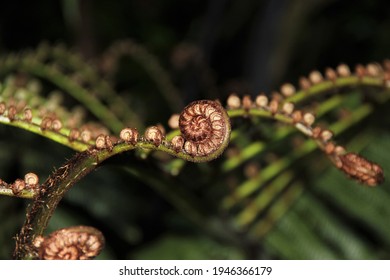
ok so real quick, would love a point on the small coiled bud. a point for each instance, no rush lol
(46, 123)
(86, 135)
(73, 243)
(304, 83)
(100, 142)
(18, 186)
(309, 119)
(317, 131)
(326, 135)
(31, 179)
(339, 150)
(297, 116)
(233, 101)
(110, 140)
(360, 70)
(343, 70)
(288, 108)
(287, 89)
(74, 134)
(261, 101)
(177, 143)
(316, 77)
(274, 106)
(329, 148)
(56, 125)
(330, 74)
(246, 102)
(374, 69)
(173, 121)
(11, 112)
(129, 135)
(154, 135)
(27, 114)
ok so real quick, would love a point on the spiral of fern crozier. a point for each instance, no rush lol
(73, 243)
(205, 127)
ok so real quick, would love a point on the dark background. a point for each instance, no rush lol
(258, 44)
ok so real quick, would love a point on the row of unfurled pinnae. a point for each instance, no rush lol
(30, 183)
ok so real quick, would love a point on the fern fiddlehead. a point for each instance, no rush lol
(73, 243)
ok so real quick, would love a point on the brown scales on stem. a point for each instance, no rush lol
(49, 195)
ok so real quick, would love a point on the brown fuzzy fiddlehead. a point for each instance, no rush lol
(205, 128)
(361, 169)
(73, 243)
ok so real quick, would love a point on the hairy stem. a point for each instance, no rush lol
(45, 203)
(55, 187)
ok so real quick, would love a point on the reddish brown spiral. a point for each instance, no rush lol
(73, 243)
(205, 127)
